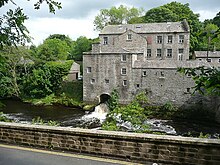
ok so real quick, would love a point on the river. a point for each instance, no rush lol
(74, 117)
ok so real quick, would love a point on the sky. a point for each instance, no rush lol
(76, 17)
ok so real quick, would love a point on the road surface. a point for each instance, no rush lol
(14, 155)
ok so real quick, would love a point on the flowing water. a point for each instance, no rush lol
(74, 117)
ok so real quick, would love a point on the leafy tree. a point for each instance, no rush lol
(12, 28)
(11, 59)
(45, 79)
(115, 16)
(62, 37)
(52, 50)
(82, 44)
(209, 37)
(216, 19)
(173, 12)
(207, 80)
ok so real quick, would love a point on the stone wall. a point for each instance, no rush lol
(127, 146)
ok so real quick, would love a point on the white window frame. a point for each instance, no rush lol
(181, 39)
(88, 69)
(124, 57)
(159, 39)
(123, 71)
(129, 37)
(144, 73)
(125, 83)
(105, 40)
(169, 53)
(169, 39)
(209, 60)
(149, 52)
(159, 53)
(92, 81)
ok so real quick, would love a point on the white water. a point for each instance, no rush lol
(100, 113)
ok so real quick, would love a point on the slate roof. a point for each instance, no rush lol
(203, 54)
(147, 28)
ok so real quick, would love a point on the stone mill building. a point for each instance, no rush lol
(140, 57)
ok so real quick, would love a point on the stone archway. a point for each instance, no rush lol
(104, 97)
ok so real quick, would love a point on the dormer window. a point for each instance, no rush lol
(123, 57)
(105, 40)
(129, 37)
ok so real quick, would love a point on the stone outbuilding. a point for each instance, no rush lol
(74, 72)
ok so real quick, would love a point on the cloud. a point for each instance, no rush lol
(76, 16)
(41, 28)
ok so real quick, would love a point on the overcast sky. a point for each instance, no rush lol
(76, 16)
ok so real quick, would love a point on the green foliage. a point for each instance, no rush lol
(201, 135)
(207, 80)
(174, 12)
(113, 100)
(45, 79)
(39, 121)
(53, 50)
(116, 16)
(11, 59)
(37, 84)
(82, 44)
(12, 28)
(3, 118)
(132, 113)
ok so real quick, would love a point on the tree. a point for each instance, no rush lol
(173, 12)
(216, 19)
(82, 44)
(11, 59)
(12, 28)
(115, 16)
(62, 37)
(52, 50)
(207, 80)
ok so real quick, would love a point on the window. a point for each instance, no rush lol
(92, 81)
(159, 39)
(125, 83)
(105, 40)
(123, 71)
(219, 60)
(180, 51)
(209, 60)
(148, 52)
(170, 39)
(169, 53)
(138, 85)
(129, 37)
(123, 57)
(107, 81)
(144, 73)
(88, 69)
(188, 90)
(162, 74)
(181, 38)
(159, 52)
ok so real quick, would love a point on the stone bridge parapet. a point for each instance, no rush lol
(135, 147)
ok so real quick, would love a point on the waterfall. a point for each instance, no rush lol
(100, 113)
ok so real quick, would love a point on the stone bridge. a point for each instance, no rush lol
(134, 147)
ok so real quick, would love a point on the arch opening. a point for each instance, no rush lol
(104, 98)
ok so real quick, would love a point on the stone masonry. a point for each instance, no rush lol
(133, 147)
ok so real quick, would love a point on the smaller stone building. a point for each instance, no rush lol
(74, 72)
(212, 57)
